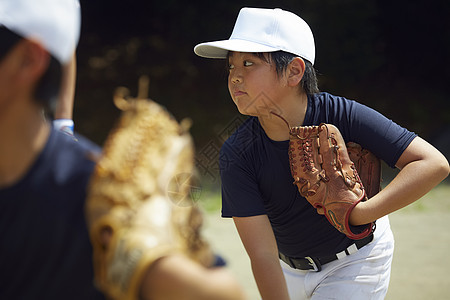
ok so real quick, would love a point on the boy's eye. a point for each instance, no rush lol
(245, 63)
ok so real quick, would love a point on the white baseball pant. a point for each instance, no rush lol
(363, 275)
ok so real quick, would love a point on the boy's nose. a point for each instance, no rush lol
(236, 79)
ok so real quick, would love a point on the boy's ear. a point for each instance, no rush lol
(296, 69)
(34, 61)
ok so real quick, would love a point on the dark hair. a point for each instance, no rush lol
(8, 39)
(49, 85)
(282, 59)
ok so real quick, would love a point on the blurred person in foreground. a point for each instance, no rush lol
(45, 250)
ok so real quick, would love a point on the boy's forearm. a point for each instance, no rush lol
(270, 279)
(414, 180)
(64, 104)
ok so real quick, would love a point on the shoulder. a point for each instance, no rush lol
(244, 136)
(364, 125)
(326, 100)
(337, 110)
(78, 148)
(241, 151)
(71, 158)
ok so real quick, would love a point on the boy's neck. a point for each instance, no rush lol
(23, 134)
(293, 113)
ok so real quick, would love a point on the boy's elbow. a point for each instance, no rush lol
(446, 169)
(442, 167)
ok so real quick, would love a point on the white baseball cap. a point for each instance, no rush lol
(264, 30)
(55, 24)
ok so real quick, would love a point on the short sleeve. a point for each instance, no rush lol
(240, 193)
(385, 138)
(360, 124)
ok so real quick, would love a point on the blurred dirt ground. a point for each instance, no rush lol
(421, 265)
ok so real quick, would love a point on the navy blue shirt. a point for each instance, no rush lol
(45, 252)
(256, 178)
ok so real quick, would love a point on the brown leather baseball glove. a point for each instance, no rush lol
(331, 176)
(135, 197)
(326, 176)
(368, 167)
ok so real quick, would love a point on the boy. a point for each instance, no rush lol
(45, 251)
(270, 56)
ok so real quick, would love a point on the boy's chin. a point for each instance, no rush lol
(248, 113)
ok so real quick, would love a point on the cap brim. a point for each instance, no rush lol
(220, 49)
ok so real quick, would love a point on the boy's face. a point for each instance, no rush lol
(254, 85)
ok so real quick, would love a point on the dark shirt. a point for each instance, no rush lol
(45, 252)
